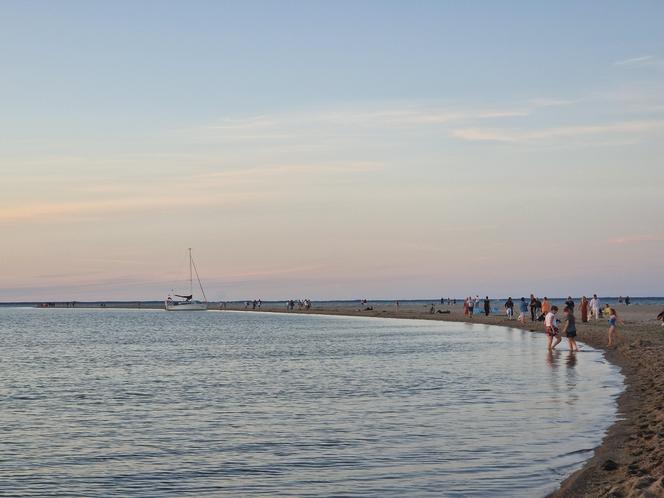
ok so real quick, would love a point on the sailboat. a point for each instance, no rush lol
(186, 302)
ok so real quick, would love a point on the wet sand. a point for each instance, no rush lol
(630, 461)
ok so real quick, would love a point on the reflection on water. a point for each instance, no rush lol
(571, 359)
(118, 403)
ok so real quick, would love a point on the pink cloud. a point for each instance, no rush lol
(637, 239)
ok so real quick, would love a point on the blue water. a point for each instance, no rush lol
(149, 403)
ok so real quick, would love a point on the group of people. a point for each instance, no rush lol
(255, 304)
(543, 311)
(590, 308)
(475, 305)
(553, 333)
(300, 303)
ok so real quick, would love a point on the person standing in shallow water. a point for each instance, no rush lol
(487, 306)
(613, 322)
(584, 309)
(550, 324)
(471, 307)
(569, 328)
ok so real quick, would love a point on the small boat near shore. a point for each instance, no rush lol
(186, 301)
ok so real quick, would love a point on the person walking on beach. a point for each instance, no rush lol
(523, 311)
(570, 302)
(533, 302)
(613, 321)
(509, 308)
(465, 307)
(594, 307)
(569, 328)
(539, 316)
(584, 309)
(546, 305)
(627, 300)
(471, 307)
(550, 324)
(487, 306)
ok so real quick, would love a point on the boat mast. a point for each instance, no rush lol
(200, 285)
(191, 278)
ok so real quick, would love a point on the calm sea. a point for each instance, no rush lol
(150, 403)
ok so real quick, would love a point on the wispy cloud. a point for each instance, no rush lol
(344, 119)
(231, 186)
(637, 239)
(297, 168)
(50, 210)
(635, 60)
(550, 102)
(524, 136)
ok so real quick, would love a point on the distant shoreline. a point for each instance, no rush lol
(635, 300)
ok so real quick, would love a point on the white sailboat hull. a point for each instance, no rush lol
(185, 306)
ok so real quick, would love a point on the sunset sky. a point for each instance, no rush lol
(331, 149)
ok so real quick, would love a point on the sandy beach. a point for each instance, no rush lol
(630, 461)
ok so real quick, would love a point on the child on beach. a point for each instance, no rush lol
(569, 328)
(606, 311)
(523, 311)
(551, 329)
(613, 319)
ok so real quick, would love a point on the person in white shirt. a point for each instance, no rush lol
(550, 323)
(594, 307)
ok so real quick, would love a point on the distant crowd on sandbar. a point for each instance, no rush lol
(543, 311)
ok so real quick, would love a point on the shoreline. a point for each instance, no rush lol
(630, 459)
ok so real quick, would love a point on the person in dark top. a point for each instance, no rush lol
(539, 316)
(570, 303)
(533, 302)
(569, 328)
(627, 301)
(509, 308)
(487, 306)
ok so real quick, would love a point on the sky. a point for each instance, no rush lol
(331, 150)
